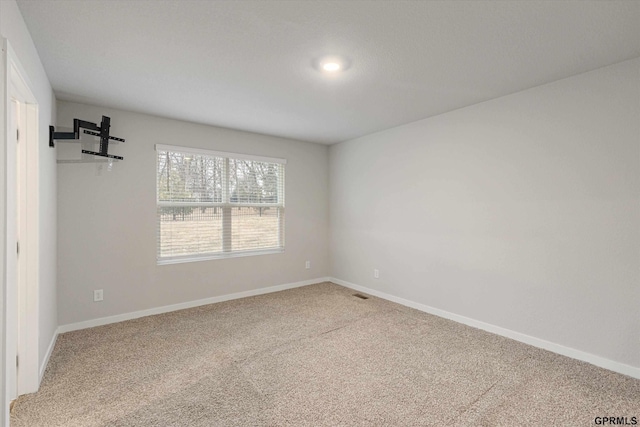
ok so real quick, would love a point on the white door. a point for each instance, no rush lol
(12, 290)
(21, 193)
(22, 246)
(19, 299)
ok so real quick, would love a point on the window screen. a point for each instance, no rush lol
(213, 204)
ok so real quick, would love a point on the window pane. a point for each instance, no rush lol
(189, 177)
(255, 228)
(254, 182)
(189, 230)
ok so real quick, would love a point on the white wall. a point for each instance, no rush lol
(522, 212)
(13, 28)
(107, 222)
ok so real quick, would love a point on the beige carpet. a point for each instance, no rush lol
(314, 356)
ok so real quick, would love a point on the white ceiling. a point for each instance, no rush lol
(248, 64)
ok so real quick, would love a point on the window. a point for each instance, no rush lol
(213, 204)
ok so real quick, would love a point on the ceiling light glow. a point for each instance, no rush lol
(331, 64)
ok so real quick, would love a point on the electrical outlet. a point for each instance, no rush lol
(307, 265)
(98, 295)
(376, 273)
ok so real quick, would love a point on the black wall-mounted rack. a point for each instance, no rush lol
(89, 128)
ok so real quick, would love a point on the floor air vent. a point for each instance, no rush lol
(360, 296)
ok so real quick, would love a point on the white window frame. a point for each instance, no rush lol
(226, 206)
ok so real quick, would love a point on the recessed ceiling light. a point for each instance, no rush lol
(331, 64)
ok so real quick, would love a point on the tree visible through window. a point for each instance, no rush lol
(213, 204)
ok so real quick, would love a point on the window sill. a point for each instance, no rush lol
(195, 258)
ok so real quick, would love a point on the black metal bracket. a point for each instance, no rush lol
(89, 128)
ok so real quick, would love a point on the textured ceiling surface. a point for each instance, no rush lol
(248, 64)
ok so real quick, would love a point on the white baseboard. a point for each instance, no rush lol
(189, 304)
(527, 339)
(45, 361)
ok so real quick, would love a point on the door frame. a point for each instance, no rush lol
(20, 311)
